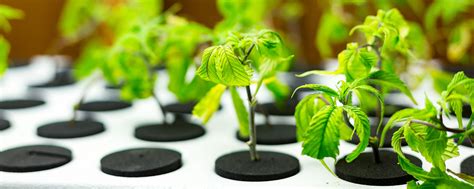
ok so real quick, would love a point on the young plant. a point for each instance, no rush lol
(324, 118)
(232, 64)
(426, 133)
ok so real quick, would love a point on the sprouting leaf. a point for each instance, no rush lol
(304, 112)
(206, 107)
(362, 128)
(322, 136)
(242, 113)
(319, 88)
(221, 65)
(390, 80)
(356, 62)
(4, 50)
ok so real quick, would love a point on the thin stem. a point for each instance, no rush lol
(252, 143)
(442, 128)
(75, 108)
(375, 151)
(160, 106)
(253, 129)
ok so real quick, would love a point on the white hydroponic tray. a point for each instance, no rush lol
(198, 154)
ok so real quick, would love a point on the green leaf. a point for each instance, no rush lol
(390, 80)
(397, 141)
(304, 112)
(320, 72)
(221, 65)
(4, 50)
(242, 113)
(209, 104)
(362, 128)
(319, 88)
(91, 59)
(356, 62)
(375, 92)
(321, 139)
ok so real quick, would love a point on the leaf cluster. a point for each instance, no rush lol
(234, 63)
(425, 133)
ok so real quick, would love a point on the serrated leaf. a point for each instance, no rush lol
(390, 80)
(209, 104)
(362, 128)
(318, 88)
(397, 141)
(221, 65)
(241, 112)
(356, 62)
(322, 137)
(304, 112)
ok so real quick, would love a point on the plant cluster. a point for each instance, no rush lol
(425, 132)
(330, 115)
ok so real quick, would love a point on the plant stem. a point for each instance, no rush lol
(75, 108)
(442, 128)
(160, 106)
(375, 152)
(253, 129)
(252, 143)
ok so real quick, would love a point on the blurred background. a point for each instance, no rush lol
(318, 29)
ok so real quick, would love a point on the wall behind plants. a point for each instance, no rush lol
(38, 30)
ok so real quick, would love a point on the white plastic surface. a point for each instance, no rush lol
(198, 154)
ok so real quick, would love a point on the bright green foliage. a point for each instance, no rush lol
(322, 135)
(102, 23)
(389, 26)
(6, 13)
(425, 132)
(356, 62)
(130, 52)
(459, 91)
(241, 112)
(242, 15)
(233, 62)
(176, 43)
(321, 126)
(210, 103)
(390, 81)
(221, 65)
